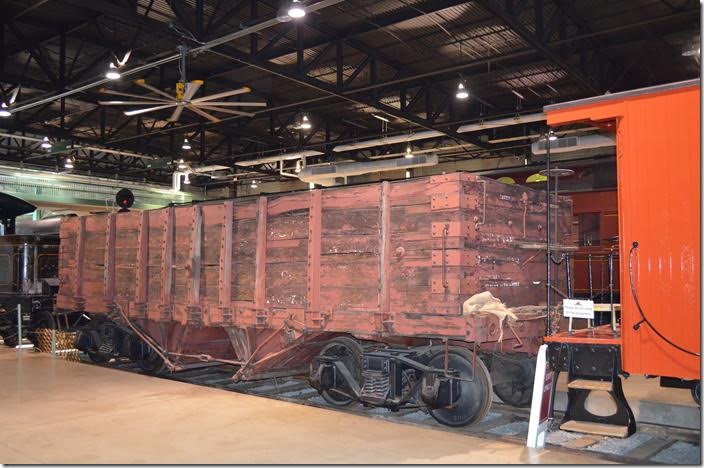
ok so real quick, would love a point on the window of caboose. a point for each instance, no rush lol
(589, 229)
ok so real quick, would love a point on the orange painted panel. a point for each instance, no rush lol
(658, 163)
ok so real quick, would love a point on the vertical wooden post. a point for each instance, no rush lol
(167, 263)
(195, 251)
(225, 277)
(260, 279)
(315, 214)
(384, 255)
(109, 269)
(80, 261)
(142, 261)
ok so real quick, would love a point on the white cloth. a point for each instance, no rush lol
(486, 302)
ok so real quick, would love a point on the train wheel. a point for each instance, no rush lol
(151, 364)
(475, 397)
(350, 352)
(97, 357)
(518, 391)
(696, 393)
(10, 340)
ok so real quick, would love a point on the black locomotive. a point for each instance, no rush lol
(29, 260)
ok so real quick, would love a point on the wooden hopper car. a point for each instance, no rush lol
(360, 287)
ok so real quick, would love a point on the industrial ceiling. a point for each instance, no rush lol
(358, 69)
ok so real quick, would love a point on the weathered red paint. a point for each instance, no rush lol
(264, 279)
(660, 208)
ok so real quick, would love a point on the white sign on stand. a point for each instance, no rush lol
(578, 308)
(542, 400)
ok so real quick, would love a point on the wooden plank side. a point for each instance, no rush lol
(286, 251)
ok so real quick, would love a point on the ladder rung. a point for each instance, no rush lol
(609, 430)
(590, 384)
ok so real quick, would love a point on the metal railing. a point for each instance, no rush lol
(599, 295)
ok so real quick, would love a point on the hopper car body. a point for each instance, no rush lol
(361, 287)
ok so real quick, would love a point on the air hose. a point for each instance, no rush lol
(640, 309)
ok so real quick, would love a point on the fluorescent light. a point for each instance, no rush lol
(383, 119)
(46, 144)
(424, 135)
(504, 122)
(409, 153)
(296, 10)
(186, 144)
(552, 136)
(279, 157)
(461, 92)
(112, 73)
(518, 95)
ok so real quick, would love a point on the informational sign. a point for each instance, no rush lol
(578, 308)
(542, 399)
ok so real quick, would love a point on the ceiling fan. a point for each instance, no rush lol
(184, 98)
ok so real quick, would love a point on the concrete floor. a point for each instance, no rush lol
(55, 411)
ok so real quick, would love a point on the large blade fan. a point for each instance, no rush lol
(184, 98)
(204, 106)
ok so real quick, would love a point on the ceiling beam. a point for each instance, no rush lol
(495, 8)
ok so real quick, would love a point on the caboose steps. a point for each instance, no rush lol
(590, 367)
(590, 384)
(610, 430)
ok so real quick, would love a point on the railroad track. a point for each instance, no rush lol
(651, 444)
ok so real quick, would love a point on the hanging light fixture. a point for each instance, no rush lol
(552, 136)
(304, 122)
(46, 144)
(462, 92)
(69, 163)
(182, 164)
(186, 144)
(112, 73)
(5, 106)
(254, 184)
(186, 180)
(409, 153)
(299, 165)
(296, 9)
